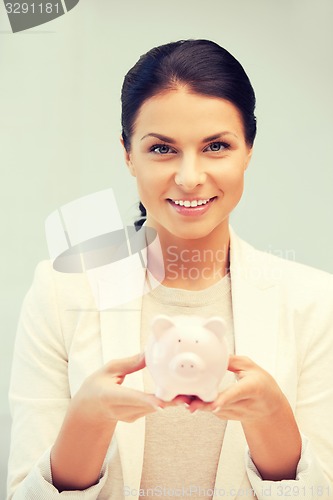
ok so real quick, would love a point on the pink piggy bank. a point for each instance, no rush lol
(187, 355)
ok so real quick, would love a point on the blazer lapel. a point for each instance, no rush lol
(121, 335)
(255, 304)
(256, 315)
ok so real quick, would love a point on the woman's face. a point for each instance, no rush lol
(188, 154)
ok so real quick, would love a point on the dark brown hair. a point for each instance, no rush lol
(203, 66)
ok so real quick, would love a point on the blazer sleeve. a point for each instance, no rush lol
(39, 395)
(313, 412)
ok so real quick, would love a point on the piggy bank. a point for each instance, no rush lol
(187, 355)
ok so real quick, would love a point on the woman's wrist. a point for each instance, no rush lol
(275, 443)
(78, 454)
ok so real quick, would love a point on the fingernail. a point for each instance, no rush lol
(217, 409)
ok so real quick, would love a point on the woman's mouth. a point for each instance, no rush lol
(191, 207)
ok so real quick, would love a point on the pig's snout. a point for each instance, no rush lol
(187, 365)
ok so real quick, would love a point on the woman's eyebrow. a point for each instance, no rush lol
(218, 136)
(164, 138)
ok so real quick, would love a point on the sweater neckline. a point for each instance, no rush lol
(192, 298)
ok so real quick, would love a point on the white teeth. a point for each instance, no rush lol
(193, 203)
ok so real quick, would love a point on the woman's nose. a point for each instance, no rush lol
(189, 174)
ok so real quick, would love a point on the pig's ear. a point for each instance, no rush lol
(161, 324)
(216, 325)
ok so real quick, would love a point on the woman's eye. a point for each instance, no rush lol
(217, 147)
(161, 149)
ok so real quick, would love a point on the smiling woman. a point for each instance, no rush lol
(85, 419)
(198, 170)
(216, 74)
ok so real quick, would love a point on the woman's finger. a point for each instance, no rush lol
(125, 399)
(240, 363)
(124, 366)
(235, 393)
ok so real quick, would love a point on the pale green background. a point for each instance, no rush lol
(59, 126)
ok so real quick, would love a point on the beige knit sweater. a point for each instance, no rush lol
(182, 449)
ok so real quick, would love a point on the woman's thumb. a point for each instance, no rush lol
(124, 366)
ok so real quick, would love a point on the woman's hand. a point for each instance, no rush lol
(102, 397)
(266, 416)
(79, 451)
(256, 395)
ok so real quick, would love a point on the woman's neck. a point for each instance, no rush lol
(193, 264)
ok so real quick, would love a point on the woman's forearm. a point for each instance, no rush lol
(275, 444)
(79, 451)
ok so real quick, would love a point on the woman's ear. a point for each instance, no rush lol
(127, 157)
(248, 158)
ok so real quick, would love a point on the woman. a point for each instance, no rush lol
(77, 393)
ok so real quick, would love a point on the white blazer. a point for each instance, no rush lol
(283, 320)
